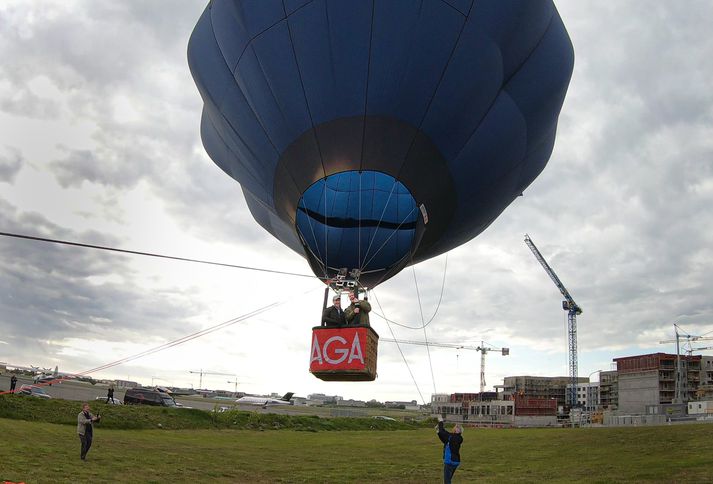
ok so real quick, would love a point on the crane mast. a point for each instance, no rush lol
(572, 309)
(681, 389)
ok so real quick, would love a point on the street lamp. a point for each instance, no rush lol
(592, 373)
(156, 378)
(235, 392)
(589, 406)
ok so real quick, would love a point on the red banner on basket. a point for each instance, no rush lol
(338, 349)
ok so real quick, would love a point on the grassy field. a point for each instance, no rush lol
(142, 417)
(42, 452)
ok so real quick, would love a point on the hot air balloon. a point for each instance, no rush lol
(368, 135)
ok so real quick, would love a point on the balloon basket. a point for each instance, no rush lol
(346, 353)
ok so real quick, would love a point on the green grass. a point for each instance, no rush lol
(141, 417)
(41, 452)
(39, 444)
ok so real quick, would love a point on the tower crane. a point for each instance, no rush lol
(482, 348)
(201, 373)
(681, 392)
(572, 309)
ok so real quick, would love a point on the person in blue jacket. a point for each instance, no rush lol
(451, 448)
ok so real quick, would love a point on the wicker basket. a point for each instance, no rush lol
(355, 370)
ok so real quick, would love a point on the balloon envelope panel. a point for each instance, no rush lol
(449, 105)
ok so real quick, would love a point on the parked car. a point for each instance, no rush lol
(32, 391)
(111, 401)
(384, 417)
(148, 396)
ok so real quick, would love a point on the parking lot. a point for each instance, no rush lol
(86, 392)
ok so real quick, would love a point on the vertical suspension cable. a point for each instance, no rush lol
(363, 127)
(393, 336)
(393, 232)
(326, 232)
(314, 236)
(371, 241)
(359, 229)
(423, 324)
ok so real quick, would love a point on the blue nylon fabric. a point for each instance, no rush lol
(484, 81)
(410, 50)
(357, 201)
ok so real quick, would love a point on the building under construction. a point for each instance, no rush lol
(492, 409)
(546, 387)
(609, 390)
(650, 379)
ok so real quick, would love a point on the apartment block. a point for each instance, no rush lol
(609, 390)
(646, 380)
(547, 387)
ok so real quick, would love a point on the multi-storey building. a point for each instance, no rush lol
(547, 387)
(587, 396)
(519, 411)
(609, 390)
(647, 380)
(437, 398)
(705, 389)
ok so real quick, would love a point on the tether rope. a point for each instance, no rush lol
(402, 354)
(150, 254)
(178, 341)
(425, 336)
(443, 285)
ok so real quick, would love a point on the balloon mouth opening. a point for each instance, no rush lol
(364, 220)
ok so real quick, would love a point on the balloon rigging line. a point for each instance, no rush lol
(402, 355)
(195, 335)
(386, 205)
(425, 337)
(359, 229)
(326, 233)
(150, 254)
(388, 238)
(363, 129)
(176, 342)
(438, 85)
(314, 237)
(440, 298)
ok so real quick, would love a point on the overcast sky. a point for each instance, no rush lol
(99, 143)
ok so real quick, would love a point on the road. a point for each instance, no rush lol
(86, 392)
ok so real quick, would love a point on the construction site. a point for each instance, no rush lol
(649, 389)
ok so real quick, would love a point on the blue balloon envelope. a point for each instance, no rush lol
(371, 135)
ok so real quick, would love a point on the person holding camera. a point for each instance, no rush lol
(85, 429)
(451, 448)
(357, 313)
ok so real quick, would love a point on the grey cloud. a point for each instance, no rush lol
(103, 167)
(24, 102)
(208, 203)
(109, 51)
(10, 164)
(50, 291)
